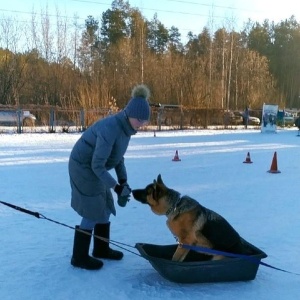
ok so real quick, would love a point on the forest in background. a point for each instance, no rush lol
(71, 65)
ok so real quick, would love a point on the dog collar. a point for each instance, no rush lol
(174, 207)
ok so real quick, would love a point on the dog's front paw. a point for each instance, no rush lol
(180, 254)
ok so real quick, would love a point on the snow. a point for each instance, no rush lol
(264, 208)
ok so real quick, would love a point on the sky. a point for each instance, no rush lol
(264, 208)
(189, 15)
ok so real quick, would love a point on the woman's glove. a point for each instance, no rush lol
(123, 191)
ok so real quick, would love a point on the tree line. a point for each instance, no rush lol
(96, 64)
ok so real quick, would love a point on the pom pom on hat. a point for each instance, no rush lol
(138, 107)
(141, 91)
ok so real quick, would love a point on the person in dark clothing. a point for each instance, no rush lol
(100, 149)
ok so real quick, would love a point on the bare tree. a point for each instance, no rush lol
(12, 64)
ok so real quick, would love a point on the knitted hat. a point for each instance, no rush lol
(138, 106)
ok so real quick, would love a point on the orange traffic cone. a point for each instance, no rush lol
(176, 157)
(274, 168)
(248, 159)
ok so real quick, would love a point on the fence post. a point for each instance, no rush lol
(19, 121)
(181, 118)
(51, 121)
(159, 113)
(82, 125)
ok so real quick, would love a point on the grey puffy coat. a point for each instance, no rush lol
(100, 148)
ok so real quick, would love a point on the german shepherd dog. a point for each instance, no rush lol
(190, 222)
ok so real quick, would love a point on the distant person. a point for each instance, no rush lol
(100, 149)
(297, 122)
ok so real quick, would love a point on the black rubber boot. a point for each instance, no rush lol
(81, 258)
(101, 248)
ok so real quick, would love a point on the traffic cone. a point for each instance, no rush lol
(176, 157)
(274, 168)
(248, 159)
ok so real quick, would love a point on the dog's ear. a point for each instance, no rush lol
(159, 179)
(154, 184)
(159, 187)
(155, 189)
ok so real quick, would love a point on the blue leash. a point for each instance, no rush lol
(234, 255)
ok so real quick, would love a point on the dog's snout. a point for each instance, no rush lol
(139, 195)
(136, 193)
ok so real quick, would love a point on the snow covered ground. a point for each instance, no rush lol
(264, 208)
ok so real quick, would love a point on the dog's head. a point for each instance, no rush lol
(153, 194)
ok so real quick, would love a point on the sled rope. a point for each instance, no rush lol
(234, 255)
(41, 216)
(117, 244)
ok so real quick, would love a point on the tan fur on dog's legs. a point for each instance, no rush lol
(180, 254)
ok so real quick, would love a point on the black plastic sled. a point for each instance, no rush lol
(199, 268)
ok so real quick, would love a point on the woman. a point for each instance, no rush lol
(100, 149)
